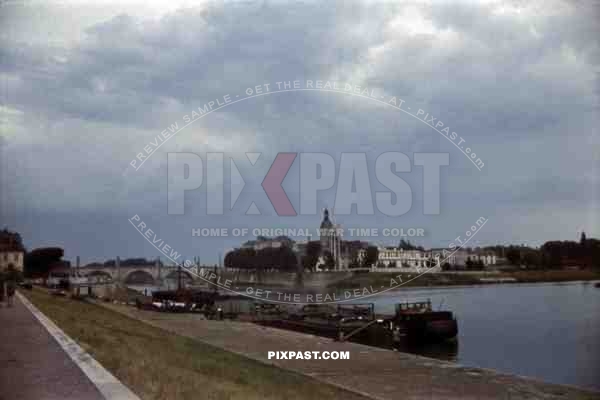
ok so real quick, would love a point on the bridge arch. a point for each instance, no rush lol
(99, 275)
(185, 276)
(140, 277)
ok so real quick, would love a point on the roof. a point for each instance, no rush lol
(10, 249)
(10, 241)
(326, 223)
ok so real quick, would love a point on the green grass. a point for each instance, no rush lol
(156, 364)
(554, 275)
(378, 279)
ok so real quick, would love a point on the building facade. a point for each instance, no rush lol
(11, 258)
(342, 251)
(399, 259)
(263, 243)
(459, 258)
(330, 237)
(12, 253)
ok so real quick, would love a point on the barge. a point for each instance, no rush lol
(418, 322)
(414, 323)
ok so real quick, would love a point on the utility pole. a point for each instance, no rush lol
(118, 269)
(197, 259)
(178, 277)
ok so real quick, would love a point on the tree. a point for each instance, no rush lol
(582, 240)
(531, 258)
(469, 263)
(329, 261)
(13, 274)
(38, 262)
(270, 258)
(311, 256)
(354, 260)
(371, 256)
(354, 264)
(241, 259)
(405, 245)
(513, 256)
(477, 264)
(11, 240)
(592, 250)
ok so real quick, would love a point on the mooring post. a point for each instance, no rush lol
(340, 334)
(118, 269)
(157, 264)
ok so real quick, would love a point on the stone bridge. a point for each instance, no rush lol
(152, 274)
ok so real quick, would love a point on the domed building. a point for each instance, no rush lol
(342, 251)
(330, 239)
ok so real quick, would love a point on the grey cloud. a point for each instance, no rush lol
(512, 87)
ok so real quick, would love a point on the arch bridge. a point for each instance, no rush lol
(153, 274)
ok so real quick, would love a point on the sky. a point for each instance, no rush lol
(85, 86)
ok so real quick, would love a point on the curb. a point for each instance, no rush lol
(109, 386)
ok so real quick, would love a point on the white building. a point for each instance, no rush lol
(264, 243)
(12, 258)
(459, 258)
(399, 259)
(12, 253)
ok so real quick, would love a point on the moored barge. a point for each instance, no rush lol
(419, 323)
(414, 322)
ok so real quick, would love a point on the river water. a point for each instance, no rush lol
(548, 331)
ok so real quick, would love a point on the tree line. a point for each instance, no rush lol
(552, 254)
(281, 258)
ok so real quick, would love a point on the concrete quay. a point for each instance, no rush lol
(33, 365)
(373, 372)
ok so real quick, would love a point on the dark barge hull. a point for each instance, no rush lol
(429, 331)
(417, 329)
(376, 335)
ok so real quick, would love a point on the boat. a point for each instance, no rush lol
(180, 300)
(357, 321)
(597, 285)
(417, 322)
(414, 323)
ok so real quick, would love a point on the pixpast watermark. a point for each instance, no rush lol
(305, 233)
(317, 172)
(370, 184)
(227, 282)
(380, 95)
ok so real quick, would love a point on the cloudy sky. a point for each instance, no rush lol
(84, 86)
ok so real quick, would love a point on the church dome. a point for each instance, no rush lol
(326, 223)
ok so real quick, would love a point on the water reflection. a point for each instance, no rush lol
(447, 351)
(519, 328)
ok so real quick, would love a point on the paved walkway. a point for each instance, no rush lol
(377, 373)
(32, 364)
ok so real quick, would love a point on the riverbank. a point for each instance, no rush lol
(375, 372)
(376, 279)
(157, 364)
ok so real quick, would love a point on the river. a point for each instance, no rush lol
(548, 331)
